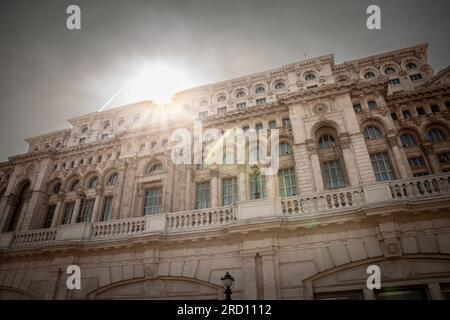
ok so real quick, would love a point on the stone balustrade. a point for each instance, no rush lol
(340, 200)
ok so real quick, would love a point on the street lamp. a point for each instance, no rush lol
(227, 282)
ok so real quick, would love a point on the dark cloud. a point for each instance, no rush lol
(49, 74)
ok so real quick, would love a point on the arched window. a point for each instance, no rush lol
(369, 75)
(240, 94)
(74, 185)
(56, 188)
(408, 140)
(284, 149)
(221, 99)
(279, 86)
(155, 167)
(260, 89)
(437, 135)
(112, 179)
(22, 198)
(84, 129)
(372, 105)
(389, 70)
(310, 77)
(371, 133)
(326, 141)
(411, 66)
(106, 125)
(93, 182)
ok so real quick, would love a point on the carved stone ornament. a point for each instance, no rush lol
(311, 148)
(392, 141)
(396, 269)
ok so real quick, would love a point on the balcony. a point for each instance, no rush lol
(430, 191)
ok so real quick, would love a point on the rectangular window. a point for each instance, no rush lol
(222, 110)
(49, 216)
(382, 167)
(258, 186)
(416, 162)
(272, 124)
(230, 191)
(241, 106)
(82, 140)
(203, 115)
(444, 157)
(68, 212)
(86, 212)
(260, 102)
(107, 208)
(288, 185)
(153, 201)
(357, 108)
(394, 82)
(333, 174)
(416, 77)
(203, 195)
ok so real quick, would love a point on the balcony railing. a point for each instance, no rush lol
(434, 187)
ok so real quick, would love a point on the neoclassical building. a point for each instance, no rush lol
(363, 179)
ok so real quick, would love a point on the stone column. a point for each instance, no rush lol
(10, 204)
(214, 188)
(242, 184)
(354, 178)
(57, 217)
(270, 285)
(98, 200)
(303, 169)
(432, 158)
(315, 167)
(76, 210)
(249, 277)
(118, 191)
(401, 161)
(271, 186)
(364, 165)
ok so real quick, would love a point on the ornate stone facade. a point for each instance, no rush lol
(363, 179)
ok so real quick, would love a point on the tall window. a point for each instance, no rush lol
(287, 123)
(333, 174)
(86, 212)
(435, 108)
(93, 182)
(326, 141)
(155, 167)
(230, 191)
(203, 195)
(107, 209)
(56, 188)
(371, 133)
(382, 167)
(153, 201)
(437, 135)
(112, 179)
(49, 216)
(372, 105)
(68, 212)
(272, 124)
(258, 127)
(284, 149)
(258, 186)
(408, 141)
(286, 179)
(416, 163)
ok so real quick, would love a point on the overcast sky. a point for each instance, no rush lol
(49, 74)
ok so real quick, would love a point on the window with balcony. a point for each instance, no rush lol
(152, 201)
(49, 216)
(444, 157)
(107, 209)
(382, 167)
(203, 195)
(86, 210)
(333, 174)
(230, 191)
(258, 187)
(287, 182)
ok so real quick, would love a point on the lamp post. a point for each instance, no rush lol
(227, 282)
